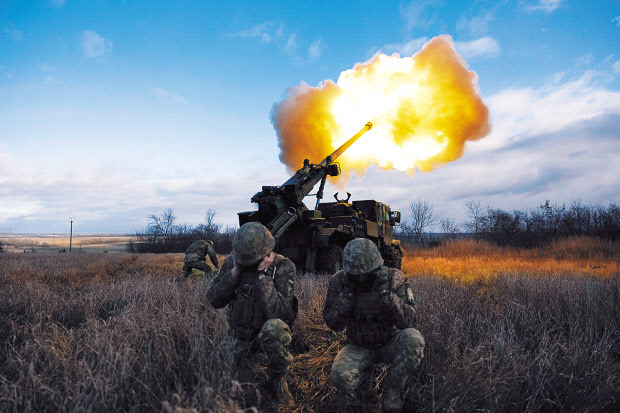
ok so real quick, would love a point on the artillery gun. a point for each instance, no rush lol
(314, 238)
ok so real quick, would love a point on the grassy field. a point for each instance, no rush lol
(506, 330)
(56, 243)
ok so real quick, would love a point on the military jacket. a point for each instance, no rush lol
(251, 301)
(199, 250)
(371, 320)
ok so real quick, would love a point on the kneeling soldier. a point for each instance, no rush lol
(196, 257)
(375, 304)
(257, 285)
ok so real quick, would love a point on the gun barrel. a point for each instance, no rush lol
(345, 146)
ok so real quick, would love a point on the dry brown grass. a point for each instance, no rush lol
(56, 243)
(60, 241)
(103, 332)
(469, 260)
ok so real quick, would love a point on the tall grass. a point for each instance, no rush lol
(118, 333)
(61, 241)
(571, 248)
(470, 259)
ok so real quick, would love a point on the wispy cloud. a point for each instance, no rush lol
(12, 32)
(616, 20)
(417, 14)
(585, 60)
(288, 42)
(407, 48)
(57, 4)
(485, 46)
(291, 43)
(94, 45)
(477, 25)
(161, 93)
(546, 6)
(265, 32)
(316, 49)
(616, 67)
(524, 113)
(51, 81)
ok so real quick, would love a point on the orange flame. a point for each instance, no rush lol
(424, 108)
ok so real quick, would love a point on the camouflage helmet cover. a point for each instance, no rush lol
(361, 256)
(251, 243)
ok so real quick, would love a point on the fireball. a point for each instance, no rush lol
(424, 109)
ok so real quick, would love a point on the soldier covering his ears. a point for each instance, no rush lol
(257, 285)
(376, 306)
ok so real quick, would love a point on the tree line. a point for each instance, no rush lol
(163, 234)
(527, 229)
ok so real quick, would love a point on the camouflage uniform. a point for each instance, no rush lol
(379, 329)
(260, 310)
(196, 257)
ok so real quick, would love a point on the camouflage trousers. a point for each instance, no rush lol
(353, 364)
(190, 263)
(273, 340)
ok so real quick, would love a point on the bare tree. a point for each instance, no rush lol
(475, 212)
(406, 230)
(210, 229)
(422, 216)
(162, 226)
(449, 228)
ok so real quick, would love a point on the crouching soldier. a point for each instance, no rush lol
(257, 285)
(375, 304)
(196, 257)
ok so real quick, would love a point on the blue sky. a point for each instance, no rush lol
(114, 110)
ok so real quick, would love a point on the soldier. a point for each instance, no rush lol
(375, 304)
(196, 257)
(257, 285)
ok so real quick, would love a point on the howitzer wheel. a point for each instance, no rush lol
(329, 260)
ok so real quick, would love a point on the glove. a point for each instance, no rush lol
(348, 287)
(235, 273)
(265, 266)
(381, 284)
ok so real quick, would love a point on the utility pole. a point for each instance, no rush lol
(71, 236)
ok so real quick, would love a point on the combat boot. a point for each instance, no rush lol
(392, 400)
(279, 394)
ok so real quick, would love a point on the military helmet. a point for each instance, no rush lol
(252, 243)
(361, 256)
(200, 243)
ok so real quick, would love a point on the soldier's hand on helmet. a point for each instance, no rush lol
(381, 284)
(266, 263)
(235, 273)
(348, 286)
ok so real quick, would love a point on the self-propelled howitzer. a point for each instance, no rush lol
(309, 237)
